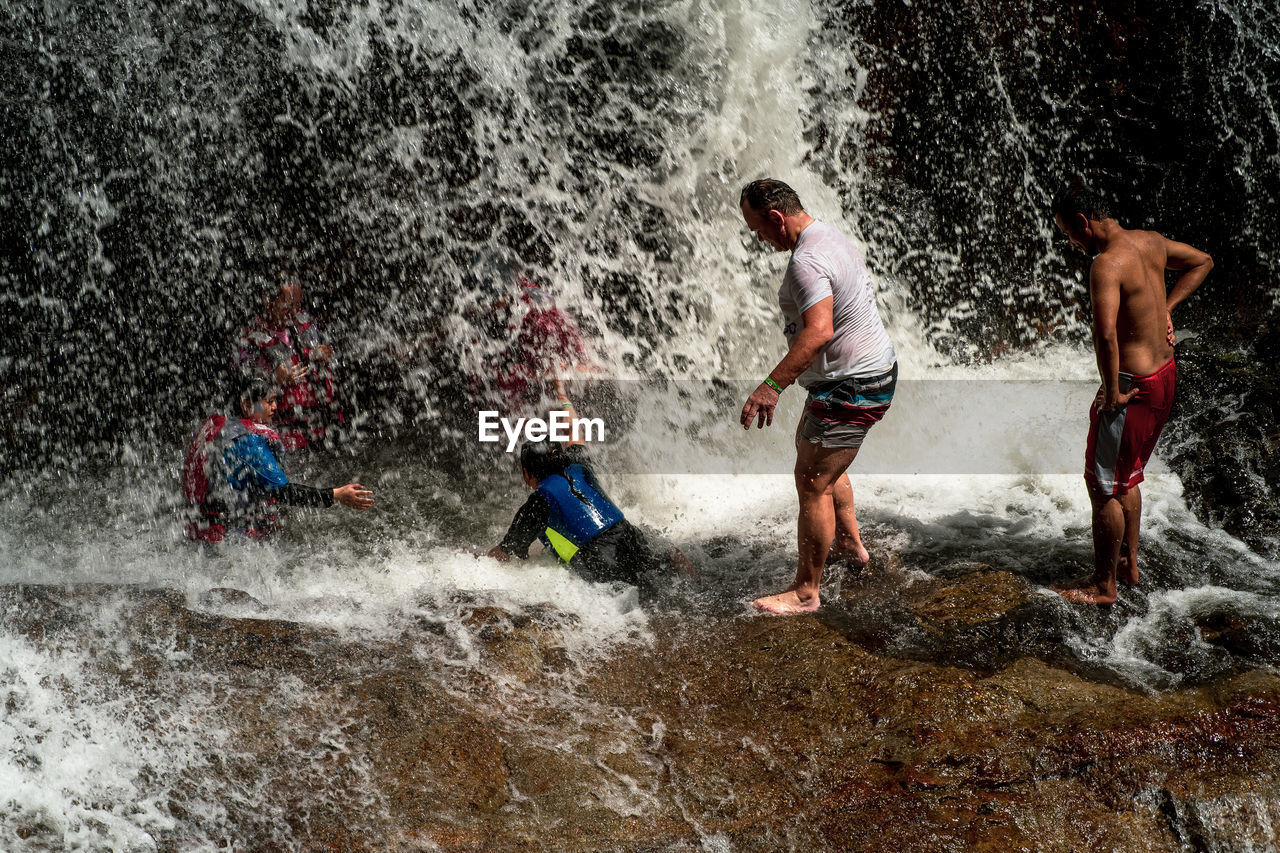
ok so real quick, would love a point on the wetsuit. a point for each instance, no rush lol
(571, 514)
(233, 479)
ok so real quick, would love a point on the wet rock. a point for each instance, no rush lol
(885, 754)
(39, 611)
(973, 599)
(522, 645)
(228, 641)
(228, 597)
(972, 616)
(430, 755)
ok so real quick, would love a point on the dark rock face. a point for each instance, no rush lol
(977, 117)
(765, 733)
(1226, 437)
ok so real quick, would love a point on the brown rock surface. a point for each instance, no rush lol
(766, 733)
(980, 597)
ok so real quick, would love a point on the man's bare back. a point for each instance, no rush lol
(1134, 264)
(1132, 320)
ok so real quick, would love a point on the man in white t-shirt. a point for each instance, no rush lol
(839, 351)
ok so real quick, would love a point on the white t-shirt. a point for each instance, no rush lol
(825, 264)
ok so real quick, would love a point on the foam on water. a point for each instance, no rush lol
(74, 756)
(438, 583)
(325, 580)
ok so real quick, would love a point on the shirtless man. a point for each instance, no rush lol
(1133, 339)
(839, 352)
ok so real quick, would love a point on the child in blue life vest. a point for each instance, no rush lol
(570, 512)
(232, 476)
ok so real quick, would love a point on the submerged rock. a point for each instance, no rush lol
(1254, 638)
(228, 597)
(978, 598)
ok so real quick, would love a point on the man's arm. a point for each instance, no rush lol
(1104, 293)
(813, 337)
(297, 494)
(566, 405)
(353, 495)
(1197, 264)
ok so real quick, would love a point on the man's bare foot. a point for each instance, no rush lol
(786, 603)
(1085, 592)
(1126, 573)
(857, 557)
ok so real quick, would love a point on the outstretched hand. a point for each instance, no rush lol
(759, 407)
(557, 383)
(288, 374)
(353, 495)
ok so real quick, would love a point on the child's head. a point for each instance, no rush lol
(539, 460)
(255, 398)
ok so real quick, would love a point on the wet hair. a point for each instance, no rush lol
(253, 387)
(542, 459)
(768, 194)
(1080, 199)
(492, 273)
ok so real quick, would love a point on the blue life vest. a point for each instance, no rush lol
(250, 456)
(579, 513)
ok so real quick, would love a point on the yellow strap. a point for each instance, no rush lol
(563, 546)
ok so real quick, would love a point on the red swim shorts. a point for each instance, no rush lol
(1121, 440)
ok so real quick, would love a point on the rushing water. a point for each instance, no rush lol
(164, 161)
